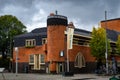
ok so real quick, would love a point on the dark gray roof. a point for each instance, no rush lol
(112, 35)
(82, 32)
(43, 31)
(39, 30)
(35, 32)
(30, 34)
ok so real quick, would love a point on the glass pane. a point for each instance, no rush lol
(31, 58)
(42, 58)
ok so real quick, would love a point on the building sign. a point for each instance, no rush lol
(70, 32)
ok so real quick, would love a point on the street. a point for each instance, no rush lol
(13, 76)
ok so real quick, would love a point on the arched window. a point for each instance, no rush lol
(79, 61)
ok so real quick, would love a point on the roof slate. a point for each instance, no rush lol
(82, 32)
(111, 34)
(35, 32)
(43, 31)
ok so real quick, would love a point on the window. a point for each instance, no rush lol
(31, 59)
(42, 62)
(79, 61)
(44, 40)
(61, 53)
(42, 58)
(37, 61)
(80, 40)
(30, 43)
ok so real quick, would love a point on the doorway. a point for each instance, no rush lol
(60, 68)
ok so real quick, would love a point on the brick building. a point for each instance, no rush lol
(112, 24)
(45, 49)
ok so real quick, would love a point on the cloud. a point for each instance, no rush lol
(83, 13)
(38, 20)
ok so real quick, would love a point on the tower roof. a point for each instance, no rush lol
(55, 19)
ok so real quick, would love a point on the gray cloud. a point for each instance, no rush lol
(25, 3)
(84, 13)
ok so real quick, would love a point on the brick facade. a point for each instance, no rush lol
(113, 24)
(56, 42)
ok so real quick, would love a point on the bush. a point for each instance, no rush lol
(4, 63)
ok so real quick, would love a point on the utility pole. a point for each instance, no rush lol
(106, 53)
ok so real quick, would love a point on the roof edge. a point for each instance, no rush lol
(111, 19)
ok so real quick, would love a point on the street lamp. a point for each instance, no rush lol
(69, 32)
(106, 53)
(16, 50)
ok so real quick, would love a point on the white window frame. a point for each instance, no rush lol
(30, 42)
(44, 40)
(80, 60)
(40, 61)
(37, 61)
(40, 57)
(30, 59)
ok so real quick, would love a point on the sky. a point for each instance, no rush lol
(83, 13)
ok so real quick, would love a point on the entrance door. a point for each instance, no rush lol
(60, 67)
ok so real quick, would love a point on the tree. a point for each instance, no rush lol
(98, 43)
(10, 26)
(118, 45)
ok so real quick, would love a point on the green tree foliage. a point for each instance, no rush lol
(10, 26)
(98, 43)
(118, 45)
(4, 63)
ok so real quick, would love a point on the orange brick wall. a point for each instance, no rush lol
(23, 53)
(112, 24)
(83, 50)
(55, 42)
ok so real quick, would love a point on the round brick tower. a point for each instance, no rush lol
(56, 26)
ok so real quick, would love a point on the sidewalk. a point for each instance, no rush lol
(12, 76)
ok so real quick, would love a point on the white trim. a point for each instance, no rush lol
(83, 36)
(81, 60)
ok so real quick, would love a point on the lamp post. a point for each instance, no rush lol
(106, 53)
(69, 32)
(16, 50)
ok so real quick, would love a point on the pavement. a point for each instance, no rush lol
(13, 76)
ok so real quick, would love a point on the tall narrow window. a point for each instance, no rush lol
(42, 59)
(79, 61)
(31, 59)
